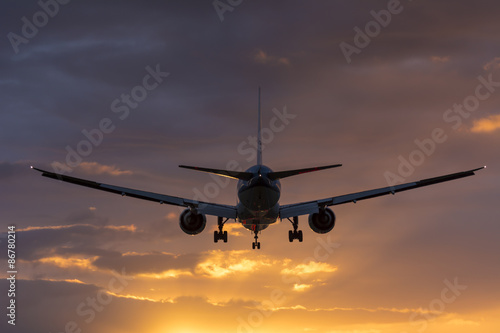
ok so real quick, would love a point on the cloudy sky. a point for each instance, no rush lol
(124, 92)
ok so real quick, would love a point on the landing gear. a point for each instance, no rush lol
(256, 244)
(222, 235)
(295, 234)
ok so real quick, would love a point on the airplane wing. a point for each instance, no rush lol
(310, 207)
(202, 207)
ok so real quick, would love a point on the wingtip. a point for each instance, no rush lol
(481, 168)
(34, 168)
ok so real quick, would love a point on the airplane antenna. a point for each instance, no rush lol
(259, 137)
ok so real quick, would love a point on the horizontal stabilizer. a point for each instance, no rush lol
(225, 173)
(284, 174)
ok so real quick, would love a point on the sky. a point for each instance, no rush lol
(124, 92)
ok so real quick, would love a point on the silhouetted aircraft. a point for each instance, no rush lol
(259, 192)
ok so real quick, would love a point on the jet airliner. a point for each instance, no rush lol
(258, 192)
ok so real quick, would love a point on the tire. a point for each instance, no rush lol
(225, 236)
(290, 236)
(216, 236)
(300, 236)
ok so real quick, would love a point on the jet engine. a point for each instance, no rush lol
(322, 222)
(191, 222)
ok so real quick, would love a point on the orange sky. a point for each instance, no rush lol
(420, 261)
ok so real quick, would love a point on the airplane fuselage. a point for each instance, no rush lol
(258, 205)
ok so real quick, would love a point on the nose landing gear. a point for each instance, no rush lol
(256, 244)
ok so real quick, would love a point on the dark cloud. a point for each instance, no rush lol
(144, 263)
(12, 170)
(80, 239)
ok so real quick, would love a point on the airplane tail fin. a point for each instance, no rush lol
(259, 137)
(283, 174)
(225, 173)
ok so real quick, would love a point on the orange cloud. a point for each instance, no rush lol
(219, 264)
(437, 59)
(301, 287)
(172, 216)
(131, 227)
(486, 125)
(171, 273)
(493, 64)
(140, 298)
(94, 168)
(64, 280)
(62, 262)
(264, 58)
(462, 322)
(310, 268)
(231, 228)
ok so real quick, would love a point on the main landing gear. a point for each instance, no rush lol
(222, 235)
(295, 234)
(256, 244)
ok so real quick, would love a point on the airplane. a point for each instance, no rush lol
(258, 192)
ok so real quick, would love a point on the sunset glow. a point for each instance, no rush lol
(122, 93)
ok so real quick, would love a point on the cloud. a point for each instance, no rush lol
(63, 227)
(12, 170)
(356, 331)
(492, 65)
(486, 125)
(263, 57)
(234, 229)
(462, 322)
(94, 168)
(438, 59)
(152, 264)
(221, 264)
(72, 262)
(65, 79)
(310, 268)
(67, 241)
(301, 287)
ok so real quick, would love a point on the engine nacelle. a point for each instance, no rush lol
(191, 222)
(322, 222)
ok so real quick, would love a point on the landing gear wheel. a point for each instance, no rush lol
(295, 234)
(220, 235)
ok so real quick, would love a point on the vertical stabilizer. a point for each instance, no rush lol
(259, 137)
